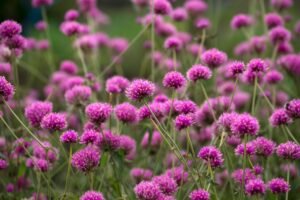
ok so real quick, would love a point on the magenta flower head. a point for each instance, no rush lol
(195, 7)
(257, 44)
(78, 95)
(273, 19)
(35, 112)
(263, 146)
(39, 3)
(173, 43)
(71, 15)
(202, 23)
(257, 65)
(292, 108)
(41, 26)
(280, 117)
(198, 72)
(199, 194)
(92, 195)
(116, 84)
(89, 136)
(128, 145)
(179, 14)
(235, 68)
(240, 149)
(241, 21)
(69, 136)
(109, 141)
(147, 190)
(183, 121)
(161, 7)
(155, 142)
(278, 186)
(226, 119)
(174, 80)
(184, 106)
(140, 174)
(10, 28)
(68, 67)
(86, 5)
(281, 4)
(118, 45)
(214, 58)
(5, 69)
(98, 112)
(211, 155)
(7, 90)
(279, 34)
(54, 122)
(71, 28)
(3, 164)
(273, 77)
(86, 159)
(126, 113)
(178, 174)
(289, 150)
(255, 187)
(167, 185)
(140, 89)
(245, 124)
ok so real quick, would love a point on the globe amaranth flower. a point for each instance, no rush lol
(239, 177)
(3, 164)
(126, 113)
(226, 119)
(214, 58)
(161, 7)
(258, 44)
(198, 72)
(54, 122)
(195, 7)
(7, 90)
(241, 21)
(279, 34)
(116, 84)
(183, 121)
(281, 4)
(280, 117)
(128, 145)
(257, 65)
(35, 112)
(278, 186)
(263, 146)
(109, 141)
(273, 19)
(78, 94)
(92, 195)
(235, 68)
(178, 174)
(273, 77)
(86, 159)
(173, 43)
(292, 108)
(179, 14)
(288, 150)
(202, 23)
(184, 106)
(155, 142)
(89, 136)
(174, 80)
(68, 67)
(39, 3)
(167, 185)
(140, 89)
(255, 187)
(245, 124)
(98, 112)
(71, 15)
(199, 194)
(10, 28)
(212, 156)
(140, 174)
(240, 149)
(147, 190)
(69, 136)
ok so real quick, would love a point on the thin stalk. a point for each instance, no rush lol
(290, 133)
(68, 171)
(203, 37)
(266, 98)
(152, 44)
(83, 63)
(206, 98)
(288, 181)
(174, 59)
(244, 165)
(234, 91)
(189, 142)
(254, 96)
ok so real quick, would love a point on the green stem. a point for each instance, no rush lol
(68, 171)
(288, 181)
(83, 63)
(254, 96)
(207, 99)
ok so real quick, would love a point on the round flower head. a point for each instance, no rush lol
(239, 177)
(289, 150)
(245, 124)
(86, 159)
(140, 174)
(5, 69)
(167, 185)
(140, 89)
(281, 4)
(255, 187)
(71, 15)
(264, 146)
(54, 122)
(226, 119)
(278, 186)
(92, 195)
(69, 136)
(78, 95)
(273, 77)
(3, 164)
(179, 14)
(257, 44)
(195, 7)
(35, 112)
(240, 151)
(178, 174)
(183, 121)
(184, 106)
(39, 3)
(126, 113)
(241, 21)
(236, 68)
(89, 136)
(10, 28)
(273, 19)
(211, 155)
(116, 84)
(86, 5)
(214, 58)
(98, 112)
(109, 141)
(280, 117)
(68, 67)
(118, 45)
(198, 72)
(155, 140)
(199, 194)
(279, 34)
(147, 190)
(202, 23)
(174, 80)
(162, 7)
(257, 65)
(6, 89)
(10, 187)
(173, 43)
(293, 108)
(41, 26)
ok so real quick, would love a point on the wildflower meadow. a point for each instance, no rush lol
(168, 113)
